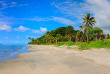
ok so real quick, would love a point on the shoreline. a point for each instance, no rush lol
(14, 54)
(52, 60)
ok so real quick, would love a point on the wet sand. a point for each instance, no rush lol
(54, 60)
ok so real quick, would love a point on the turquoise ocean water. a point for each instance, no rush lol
(8, 52)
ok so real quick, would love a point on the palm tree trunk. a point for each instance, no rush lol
(83, 36)
(50, 41)
(70, 38)
(87, 35)
(96, 37)
(56, 41)
(76, 39)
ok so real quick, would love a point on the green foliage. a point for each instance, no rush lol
(69, 30)
(96, 44)
(106, 41)
(61, 43)
(80, 43)
(29, 38)
(88, 21)
(60, 31)
(70, 43)
(108, 36)
(86, 38)
(97, 30)
(85, 46)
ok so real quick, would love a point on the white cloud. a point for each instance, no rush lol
(6, 20)
(5, 27)
(42, 30)
(6, 4)
(40, 19)
(21, 28)
(72, 9)
(63, 21)
(56, 19)
(101, 10)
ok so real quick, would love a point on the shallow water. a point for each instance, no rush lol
(8, 52)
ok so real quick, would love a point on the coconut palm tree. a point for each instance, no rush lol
(29, 38)
(88, 21)
(32, 39)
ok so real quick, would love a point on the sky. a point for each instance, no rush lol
(20, 19)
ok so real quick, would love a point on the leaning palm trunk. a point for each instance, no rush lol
(87, 33)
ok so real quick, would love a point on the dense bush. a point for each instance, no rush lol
(82, 45)
(61, 43)
(70, 43)
(96, 44)
(106, 41)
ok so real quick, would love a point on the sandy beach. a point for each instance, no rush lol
(58, 60)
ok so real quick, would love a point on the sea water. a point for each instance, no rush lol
(8, 52)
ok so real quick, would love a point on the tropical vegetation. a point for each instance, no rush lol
(86, 37)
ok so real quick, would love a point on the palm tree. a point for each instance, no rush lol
(32, 39)
(29, 38)
(88, 21)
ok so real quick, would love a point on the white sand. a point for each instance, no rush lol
(56, 60)
(101, 56)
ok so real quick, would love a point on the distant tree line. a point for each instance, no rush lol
(86, 33)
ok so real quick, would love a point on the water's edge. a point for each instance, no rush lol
(15, 54)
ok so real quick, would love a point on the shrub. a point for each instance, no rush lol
(82, 45)
(69, 43)
(61, 43)
(106, 41)
(96, 44)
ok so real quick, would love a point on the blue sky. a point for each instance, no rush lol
(20, 19)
